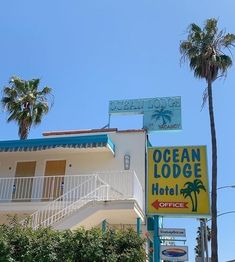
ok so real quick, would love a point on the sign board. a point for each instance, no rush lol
(172, 232)
(174, 253)
(178, 181)
(162, 113)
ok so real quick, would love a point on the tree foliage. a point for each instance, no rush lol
(25, 103)
(22, 244)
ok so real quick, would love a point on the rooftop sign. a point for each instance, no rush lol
(162, 113)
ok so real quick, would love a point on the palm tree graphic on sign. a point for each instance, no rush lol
(163, 114)
(191, 190)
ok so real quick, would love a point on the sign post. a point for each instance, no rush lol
(156, 240)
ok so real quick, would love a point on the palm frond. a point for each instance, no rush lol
(204, 98)
(224, 62)
(45, 91)
(211, 27)
(228, 40)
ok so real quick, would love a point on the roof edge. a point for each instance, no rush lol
(74, 132)
(90, 131)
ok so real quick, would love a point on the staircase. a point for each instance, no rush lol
(93, 189)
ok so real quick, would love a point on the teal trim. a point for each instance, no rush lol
(150, 224)
(111, 145)
(138, 226)
(104, 226)
(150, 250)
(148, 143)
(54, 142)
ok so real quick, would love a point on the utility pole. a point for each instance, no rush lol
(206, 238)
(202, 233)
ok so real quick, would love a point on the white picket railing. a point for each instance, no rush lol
(48, 188)
(70, 202)
(38, 188)
(69, 193)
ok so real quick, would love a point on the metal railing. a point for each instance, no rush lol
(48, 188)
(125, 183)
(91, 190)
(69, 193)
(42, 188)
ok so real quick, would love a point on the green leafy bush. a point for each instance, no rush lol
(19, 243)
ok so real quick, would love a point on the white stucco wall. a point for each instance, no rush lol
(82, 162)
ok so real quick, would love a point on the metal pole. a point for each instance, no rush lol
(138, 226)
(150, 245)
(156, 240)
(109, 121)
(202, 239)
(206, 239)
(104, 226)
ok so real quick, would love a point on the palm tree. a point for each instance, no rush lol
(25, 104)
(163, 114)
(193, 187)
(205, 50)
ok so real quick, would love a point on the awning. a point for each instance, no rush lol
(94, 141)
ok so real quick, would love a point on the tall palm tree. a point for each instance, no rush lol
(205, 50)
(25, 103)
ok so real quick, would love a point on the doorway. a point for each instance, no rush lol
(53, 186)
(23, 183)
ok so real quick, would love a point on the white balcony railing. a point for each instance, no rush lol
(96, 187)
(92, 189)
(124, 185)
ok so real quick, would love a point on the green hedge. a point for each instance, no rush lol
(22, 244)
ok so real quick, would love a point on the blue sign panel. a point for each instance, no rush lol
(162, 113)
(166, 116)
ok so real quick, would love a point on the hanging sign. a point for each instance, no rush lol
(172, 232)
(174, 253)
(162, 113)
(178, 181)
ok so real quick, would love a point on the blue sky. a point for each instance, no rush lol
(91, 52)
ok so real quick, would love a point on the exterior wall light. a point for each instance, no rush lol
(127, 162)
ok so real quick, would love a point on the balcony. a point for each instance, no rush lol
(62, 196)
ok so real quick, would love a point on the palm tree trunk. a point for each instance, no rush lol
(23, 130)
(214, 240)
